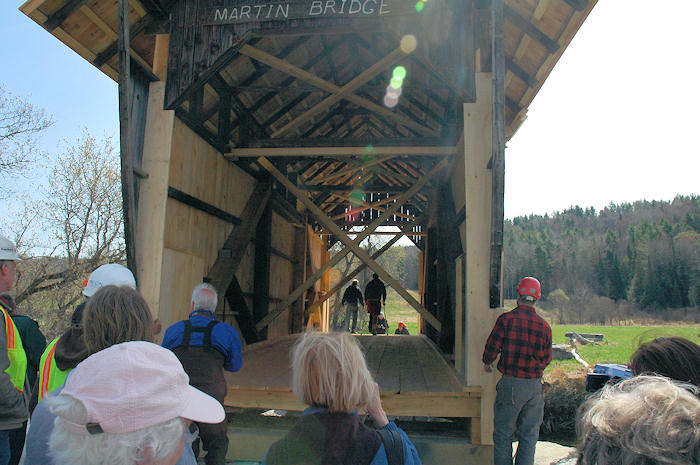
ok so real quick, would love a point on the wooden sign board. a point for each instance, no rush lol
(247, 11)
(206, 35)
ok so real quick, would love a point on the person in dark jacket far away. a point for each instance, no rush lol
(352, 299)
(34, 343)
(330, 375)
(206, 347)
(402, 329)
(375, 296)
(13, 360)
(524, 341)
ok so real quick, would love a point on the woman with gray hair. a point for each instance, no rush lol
(645, 420)
(329, 374)
(125, 405)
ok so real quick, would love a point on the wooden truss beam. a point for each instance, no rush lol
(345, 92)
(127, 157)
(203, 206)
(135, 29)
(530, 29)
(366, 206)
(432, 151)
(62, 14)
(353, 169)
(231, 254)
(350, 245)
(347, 278)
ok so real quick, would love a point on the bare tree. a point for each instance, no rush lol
(79, 221)
(20, 124)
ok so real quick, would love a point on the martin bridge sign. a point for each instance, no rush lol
(206, 35)
(256, 11)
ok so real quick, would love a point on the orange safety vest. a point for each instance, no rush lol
(15, 352)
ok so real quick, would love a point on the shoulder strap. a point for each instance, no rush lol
(393, 445)
(189, 329)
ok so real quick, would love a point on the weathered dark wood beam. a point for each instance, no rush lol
(498, 157)
(201, 205)
(578, 5)
(283, 111)
(514, 68)
(339, 109)
(111, 50)
(530, 29)
(125, 136)
(513, 105)
(62, 14)
(231, 254)
(201, 131)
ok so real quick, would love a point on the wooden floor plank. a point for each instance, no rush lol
(413, 376)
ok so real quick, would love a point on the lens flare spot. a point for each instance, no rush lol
(399, 72)
(390, 102)
(357, 198)
(395, 83)
(394, 93)
(369, 148)
(420, 6)
(409, 43)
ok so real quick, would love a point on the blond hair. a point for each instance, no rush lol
(329, 370)
(114, 315)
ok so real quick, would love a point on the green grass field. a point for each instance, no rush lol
(618, 345)
(397, 310)
(619, 342)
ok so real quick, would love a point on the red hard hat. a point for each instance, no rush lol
(530, 286)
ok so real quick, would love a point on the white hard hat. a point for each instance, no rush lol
(111, 274)
(8, 251)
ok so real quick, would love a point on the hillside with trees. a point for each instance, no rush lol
(627, 260)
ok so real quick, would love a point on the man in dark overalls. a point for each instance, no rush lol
(206, 347)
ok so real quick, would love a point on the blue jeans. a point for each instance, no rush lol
(518, 409)
(5, 447)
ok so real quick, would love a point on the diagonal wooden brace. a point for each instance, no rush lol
(350, 244)
(359, 269)
(223, 269)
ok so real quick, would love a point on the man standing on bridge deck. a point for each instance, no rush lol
(206, 347)
(375, 295)
(352, 299)
(524, 340)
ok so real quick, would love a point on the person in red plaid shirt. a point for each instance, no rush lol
(524, 340)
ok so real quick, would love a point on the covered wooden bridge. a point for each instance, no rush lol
(257, 134)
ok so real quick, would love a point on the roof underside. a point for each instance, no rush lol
(264, 97)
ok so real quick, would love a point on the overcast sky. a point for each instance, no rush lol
(614, 122)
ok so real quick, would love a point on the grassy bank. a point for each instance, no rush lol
(619, 342)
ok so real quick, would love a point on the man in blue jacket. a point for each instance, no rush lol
(206, 347)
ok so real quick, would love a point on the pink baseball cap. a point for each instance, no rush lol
(134, 385)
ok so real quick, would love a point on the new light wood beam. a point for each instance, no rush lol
(104, 27)
(299, 73)
(361, 79)
(355, 168)
(30, 9)
(431, 151)
(358, 240)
